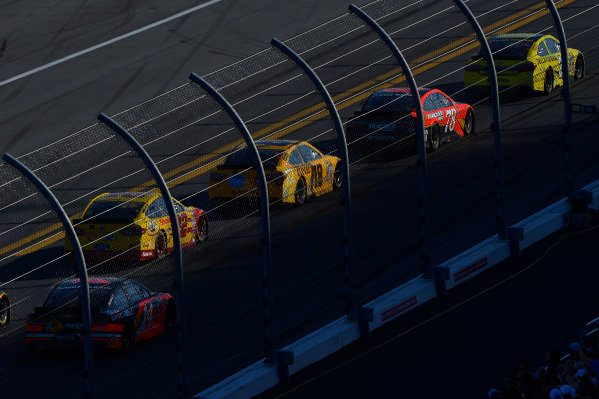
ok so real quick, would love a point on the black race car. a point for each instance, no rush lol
(123, 312)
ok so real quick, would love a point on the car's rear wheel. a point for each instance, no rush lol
(579, 68)
(128, 336)
(548, 85)
(300, 192)
(4, 311)
(434, 138)
(201, 233)
(337, 177)
(160, 246)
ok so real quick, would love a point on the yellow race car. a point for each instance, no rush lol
(295, 170)
(134, 226)
(527, 60)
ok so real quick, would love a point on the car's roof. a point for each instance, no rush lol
(533, 37)
(275, 144)
(406, 90)
(92, 281)
(128, 196)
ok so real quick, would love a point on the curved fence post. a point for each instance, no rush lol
(265, 212)
(427, 270)
(500, 226)
(88, 373)
(177, 249)
(568, 128)
(342, 145)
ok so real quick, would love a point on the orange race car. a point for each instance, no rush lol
(389, 117)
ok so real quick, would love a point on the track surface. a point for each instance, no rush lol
(465, 344)
(223, 275)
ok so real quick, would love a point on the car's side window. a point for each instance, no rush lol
(307, 153)
(151, 210)
(294, 157)
(119, 300)
(444, 101)
(428, 104)
(542, 49)
(315, 154)
(133, 293)
(160, 208)
(552, 45)
(178, 207)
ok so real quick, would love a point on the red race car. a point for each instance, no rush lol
(389, 117)
(123, 312)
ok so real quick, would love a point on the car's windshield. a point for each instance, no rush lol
(242, 158)
(68, 295)
(113, 210)
(390, 102)
(510, 48)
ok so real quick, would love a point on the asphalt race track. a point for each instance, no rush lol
(223, 276)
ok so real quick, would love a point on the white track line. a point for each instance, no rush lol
(106, 43)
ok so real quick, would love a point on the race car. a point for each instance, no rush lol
(388, 116)
(295, 170)
(135, 226)
(526, 60)
(123, 312)
(4, 308)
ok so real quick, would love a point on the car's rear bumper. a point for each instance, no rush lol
(41, 341)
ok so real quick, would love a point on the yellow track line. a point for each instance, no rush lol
(314, 113)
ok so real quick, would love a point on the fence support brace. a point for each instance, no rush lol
(182, 351)
(568, 128)
(351, 310)
(500, 227)
(427, 271)
(88, 373)
(271, 356)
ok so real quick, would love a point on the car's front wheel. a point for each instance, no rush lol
(201, 233)
(4, 311)
(160, 246)
(434, 138)
(469, 123)
(170, 316)
(128, 336)
(548, 87)
(579, 68)
(337, 177)
(300, 192)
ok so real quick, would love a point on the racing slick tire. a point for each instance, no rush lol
(469, 123)
(160, 246)
(300, 192)
(170, 316)
(4, 311)
(434, 138)
(201, 233)
(337, 177)
(128, 336)
(548, 83)
(579, 68)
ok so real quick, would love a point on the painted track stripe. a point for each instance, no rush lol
(108, 42)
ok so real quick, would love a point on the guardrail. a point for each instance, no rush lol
(183, 135)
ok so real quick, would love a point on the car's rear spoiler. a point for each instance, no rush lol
(477, 57)
(241, 167)
(101, 220)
